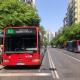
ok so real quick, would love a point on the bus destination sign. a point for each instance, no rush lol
(29, 30)
(20, 30)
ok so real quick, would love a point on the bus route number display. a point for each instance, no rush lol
(19, 31)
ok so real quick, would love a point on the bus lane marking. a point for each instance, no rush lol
(51, 67)
(25, 74)
(54, 73)
(78, 60)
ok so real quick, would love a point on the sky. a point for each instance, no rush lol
(52, 13)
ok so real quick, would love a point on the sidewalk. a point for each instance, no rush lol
(1, 67)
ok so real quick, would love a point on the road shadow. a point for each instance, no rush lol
(22, 67)
(29, 68)
(50, 69)
(43, 67)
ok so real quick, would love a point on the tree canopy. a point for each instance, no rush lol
(71, 32)
(17, 13)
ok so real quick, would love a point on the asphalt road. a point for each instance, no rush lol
(57, 64)
(67, 63)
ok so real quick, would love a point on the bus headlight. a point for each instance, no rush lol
(30, 56)
(36, 60)
(5, 60)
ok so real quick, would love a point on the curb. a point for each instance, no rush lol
(1, 67)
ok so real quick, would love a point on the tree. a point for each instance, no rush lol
(42, 30)
(16, 13)
(71, 32)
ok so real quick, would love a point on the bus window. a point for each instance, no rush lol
(20, 42)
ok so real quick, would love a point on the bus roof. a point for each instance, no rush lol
(22, 27)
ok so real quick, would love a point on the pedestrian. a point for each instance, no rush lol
(1, 50)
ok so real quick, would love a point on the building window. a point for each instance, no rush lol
(75, 18)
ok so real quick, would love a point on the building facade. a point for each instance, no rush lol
(49, 35)
(73, 12)
(65, 22)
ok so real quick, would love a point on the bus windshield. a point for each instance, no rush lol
(20, 42)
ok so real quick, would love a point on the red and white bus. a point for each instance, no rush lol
(22, 46)
(73, 45)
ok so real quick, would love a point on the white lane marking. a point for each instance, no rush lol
(53, 66)
(24, 74)
(72, 57)
(56, 74)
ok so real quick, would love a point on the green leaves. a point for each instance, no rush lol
(16, 13)
(68, 33)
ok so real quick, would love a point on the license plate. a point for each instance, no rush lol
(20, 63)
